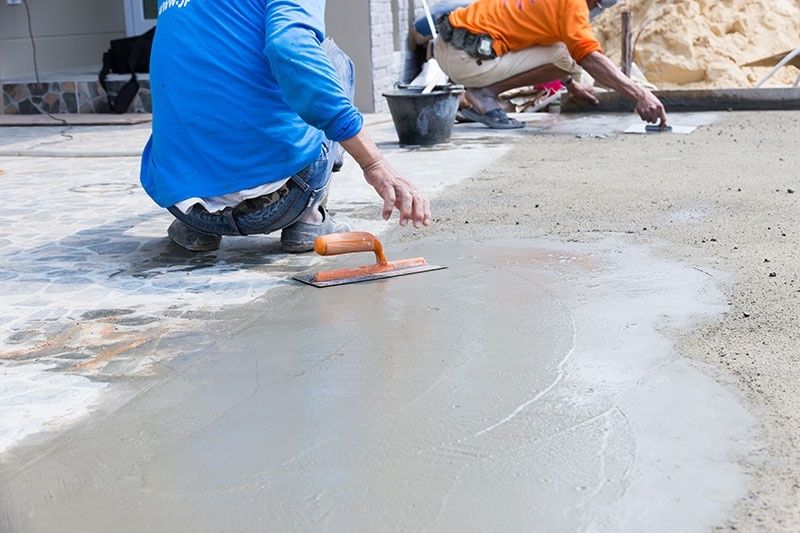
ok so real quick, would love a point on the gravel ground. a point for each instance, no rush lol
(724, 199)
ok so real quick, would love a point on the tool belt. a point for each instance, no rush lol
(478, 46)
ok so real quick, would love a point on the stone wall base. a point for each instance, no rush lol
(31, 98)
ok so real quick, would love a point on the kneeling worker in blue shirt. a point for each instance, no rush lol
(251, 110)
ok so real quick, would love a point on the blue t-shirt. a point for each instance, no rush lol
(242, 95)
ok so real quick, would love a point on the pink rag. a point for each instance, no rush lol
(552, 87)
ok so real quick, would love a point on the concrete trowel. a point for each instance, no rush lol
(360, 241)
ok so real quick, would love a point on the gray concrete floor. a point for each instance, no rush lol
(90, 283)
(532, 385)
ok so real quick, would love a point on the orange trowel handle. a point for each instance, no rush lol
(350, 242)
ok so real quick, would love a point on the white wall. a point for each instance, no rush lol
(347, 22)
(391, 58)
(69, 34)
(74, 33)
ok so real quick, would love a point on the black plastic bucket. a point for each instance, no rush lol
(424, 119)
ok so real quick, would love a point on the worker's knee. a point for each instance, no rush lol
(561, 59)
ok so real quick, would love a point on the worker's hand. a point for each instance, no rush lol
(582, 92)
(398, 192)
(651, 109)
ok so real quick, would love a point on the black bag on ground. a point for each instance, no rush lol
(126, 56)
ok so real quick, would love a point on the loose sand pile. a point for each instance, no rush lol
(703, 43)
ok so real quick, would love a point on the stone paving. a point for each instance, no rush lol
(89, 283)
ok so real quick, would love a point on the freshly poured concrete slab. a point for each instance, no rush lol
(90, 286)
(94, 288)
(530, 386)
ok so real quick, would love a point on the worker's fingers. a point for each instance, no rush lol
(388, 201)
(404, 204)
(663, 117)
(398, 192)
(641, 110)
(649, 108)
(589, 96)
(418, 209)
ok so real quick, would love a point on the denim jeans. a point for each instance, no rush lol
(305, 190)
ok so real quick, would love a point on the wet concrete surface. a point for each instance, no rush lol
(90, 285)
(531, 386)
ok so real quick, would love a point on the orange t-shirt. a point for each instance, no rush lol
(518, 24)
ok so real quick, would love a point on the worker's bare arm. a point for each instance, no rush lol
(394, 189)
(606, 72)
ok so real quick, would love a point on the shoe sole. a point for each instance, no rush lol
(293, 248)
(206, 247)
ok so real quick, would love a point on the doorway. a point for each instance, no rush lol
(140, 16)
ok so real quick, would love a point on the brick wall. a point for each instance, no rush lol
(392, 60)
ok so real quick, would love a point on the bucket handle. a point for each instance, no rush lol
(451, 88)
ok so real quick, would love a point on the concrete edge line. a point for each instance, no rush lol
(68, 155)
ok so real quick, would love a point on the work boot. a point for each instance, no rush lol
(300, 236)
(189, 238)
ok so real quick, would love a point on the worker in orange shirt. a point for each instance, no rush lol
(492, 46)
